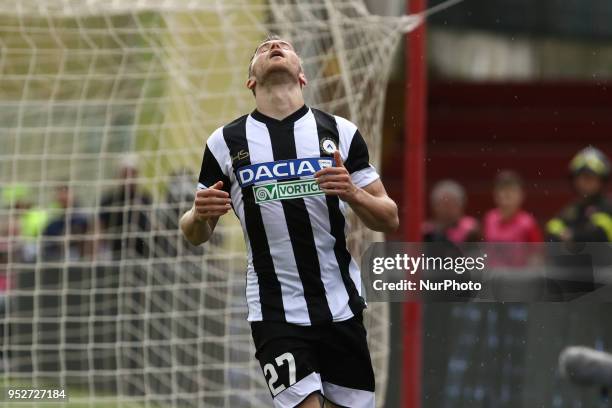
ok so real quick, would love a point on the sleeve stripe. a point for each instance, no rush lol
(219, 150)
(358, 156)
(213, 163)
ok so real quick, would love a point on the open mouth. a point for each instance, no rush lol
(276, 53)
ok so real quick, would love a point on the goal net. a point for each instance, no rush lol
(105, 107)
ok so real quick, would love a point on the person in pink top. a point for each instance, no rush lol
(508, 222)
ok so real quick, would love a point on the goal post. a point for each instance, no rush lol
(97, 96)
(414, 196)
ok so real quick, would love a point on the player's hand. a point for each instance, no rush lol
(336, 180)
(211, 202)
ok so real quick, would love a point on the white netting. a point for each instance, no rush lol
(104, 297)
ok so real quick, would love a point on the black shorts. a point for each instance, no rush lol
(332, 359)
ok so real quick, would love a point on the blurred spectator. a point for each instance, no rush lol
(26, 223)
(65, 235)
(589, 218)
(508, 222)
(449, 223)
(179, 198)
(124, 214)
(5, 258)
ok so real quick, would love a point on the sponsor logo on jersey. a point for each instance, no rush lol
(241, 155)
(280, 170)
(286, 190)
(328, 146)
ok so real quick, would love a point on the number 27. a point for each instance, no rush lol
(269, 369)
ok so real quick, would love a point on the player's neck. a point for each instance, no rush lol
(280, 100)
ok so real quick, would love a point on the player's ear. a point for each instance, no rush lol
(250, 83)
(302, 79)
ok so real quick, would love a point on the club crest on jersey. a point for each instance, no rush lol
(286, 190)
(280, 170)
(328, 146)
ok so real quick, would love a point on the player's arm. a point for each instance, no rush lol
(374, 207)
(371, 203)
(212, 198)
(209, 204)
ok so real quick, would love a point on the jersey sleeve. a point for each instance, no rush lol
(354, 152)
(214, 163)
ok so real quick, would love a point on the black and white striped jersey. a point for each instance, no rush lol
(299, 268)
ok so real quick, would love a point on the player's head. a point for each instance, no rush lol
(508, 191)
(448, 201)
(590, 169)
(275, 61)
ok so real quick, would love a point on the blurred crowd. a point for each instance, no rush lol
(587, 219)
(123, 225)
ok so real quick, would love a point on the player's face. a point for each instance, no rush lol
(275, 56)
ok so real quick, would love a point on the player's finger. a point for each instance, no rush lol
(338, 159)
(214, 206)
(333, 177)
(332, 191)
(211, 192)
(204, 209)
(330, 170)
(212, 200)
(215, 187)
(333, 185)
(337, 179)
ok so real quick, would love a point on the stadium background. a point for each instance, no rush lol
(509, 84)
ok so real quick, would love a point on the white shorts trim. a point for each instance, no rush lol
(295, 394)
(348, 397)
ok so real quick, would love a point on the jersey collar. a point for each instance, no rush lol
(294, 117)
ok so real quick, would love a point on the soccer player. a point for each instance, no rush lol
(289, 171)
